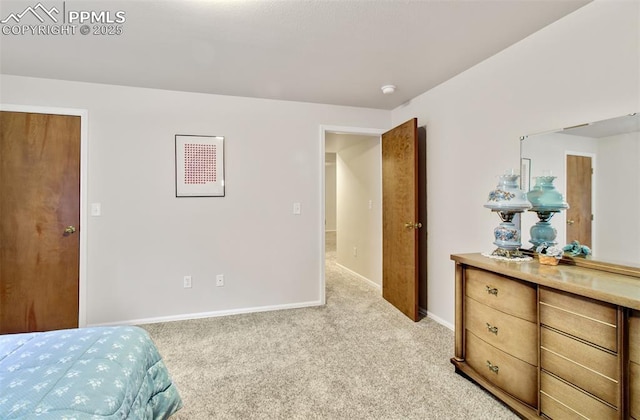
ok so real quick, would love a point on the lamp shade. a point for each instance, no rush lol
(507, 197)
(544, 195)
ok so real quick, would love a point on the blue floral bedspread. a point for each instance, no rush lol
(85, 373)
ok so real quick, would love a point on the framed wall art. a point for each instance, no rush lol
(199, 166)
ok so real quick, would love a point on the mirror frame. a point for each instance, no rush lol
(602, 266)
(628, 270)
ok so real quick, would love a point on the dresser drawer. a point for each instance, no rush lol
(634, 337)
(634, 389)
(581, 317)
(513, 335)
(559, 400)
(590, 368)
(516, 377)
(502, 293)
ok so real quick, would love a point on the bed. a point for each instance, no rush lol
(85, 373)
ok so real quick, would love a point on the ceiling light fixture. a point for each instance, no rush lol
(388, 89)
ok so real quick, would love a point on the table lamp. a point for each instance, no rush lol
(507, 200)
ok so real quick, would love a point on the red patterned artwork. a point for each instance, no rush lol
(200, 162)
(199, 166)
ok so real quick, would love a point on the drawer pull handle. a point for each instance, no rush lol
(492, 329)
(493, 368)
(492, 290)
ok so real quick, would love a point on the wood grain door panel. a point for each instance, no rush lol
(40, 188)
(579, 214)
(400, 206)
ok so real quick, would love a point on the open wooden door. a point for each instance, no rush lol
(39, 220)
(579, 214)
(400, 222)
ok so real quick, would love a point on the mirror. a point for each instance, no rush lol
(605, 201)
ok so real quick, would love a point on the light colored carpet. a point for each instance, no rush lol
(357, 357)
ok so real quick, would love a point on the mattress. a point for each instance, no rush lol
(85, 373)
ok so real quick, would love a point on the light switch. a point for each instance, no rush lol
(96, 209)
(296, 208)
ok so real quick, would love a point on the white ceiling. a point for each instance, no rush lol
(606, 128)
(332, 52)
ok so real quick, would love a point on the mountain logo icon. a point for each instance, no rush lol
(39, 11)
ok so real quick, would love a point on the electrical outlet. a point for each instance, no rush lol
(220, 280)
(186, 282)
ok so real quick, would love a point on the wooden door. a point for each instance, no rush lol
(40, 190)
(400, 217)
(579, 214)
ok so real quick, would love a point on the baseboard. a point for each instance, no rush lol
(370, 282)
(437, 319)
(213, 314)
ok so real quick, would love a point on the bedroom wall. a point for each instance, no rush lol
(584, 67)
(147, 239)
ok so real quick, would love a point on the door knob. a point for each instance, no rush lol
(69, 230)
(570, 222)
(410, 225)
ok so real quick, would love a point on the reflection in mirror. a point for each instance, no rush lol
(597, 167)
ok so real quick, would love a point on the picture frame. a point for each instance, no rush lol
(199, 166)
(525, 174)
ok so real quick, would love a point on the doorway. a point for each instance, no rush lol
(353, 196)
(81, 234)
(326, 146)
(367, 205)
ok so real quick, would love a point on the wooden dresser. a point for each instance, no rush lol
(634, 365)
(550, 341)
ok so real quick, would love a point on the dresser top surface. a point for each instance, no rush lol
(614, 288)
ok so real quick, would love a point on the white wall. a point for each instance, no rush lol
(330, 204)
(147, 239)
(359, 210)
(584, 67)
(618, 185)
